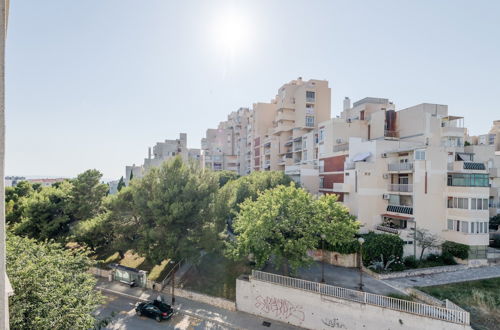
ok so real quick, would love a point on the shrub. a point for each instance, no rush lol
(388, 246)
(433, 257)
(456, 249)
(448, 259)
(411, 262)
(346, 248)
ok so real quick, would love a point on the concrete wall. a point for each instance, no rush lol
(314, 311)
(335, 258)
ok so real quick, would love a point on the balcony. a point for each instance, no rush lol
(341, 147)
(349, 165)
(460, 166)
(400, 187)
(494, 172)
(285, 116)
(474, 166)
(282, 128)
(387, 229)
(391, 134)
(341, 187)
(400, 209)
(292, 170)
(400, 167)
(453, 131)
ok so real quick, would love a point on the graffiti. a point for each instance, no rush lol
(281, 308)
(333, 323)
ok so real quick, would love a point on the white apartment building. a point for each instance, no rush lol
(162, 152)
(407, 169)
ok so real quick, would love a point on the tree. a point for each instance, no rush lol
(426, 240)
(382, 248)
(225, 176)
(121, 184)
(284, 223)
(495, 222)
(170, 210)
(14, 200)
(87, 195)
(53, 289)
(45, 214)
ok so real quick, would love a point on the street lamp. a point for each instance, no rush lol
(173, 280)
(361, 241)
(323, 258)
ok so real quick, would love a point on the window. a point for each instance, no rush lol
(479, 227)
(468, 180)
(309, 121)
(321, 182)
(419, 154)
(310, 109)
(310, 96)
(458, 203)
(321, 166)
(457, 225)
(321, 135)
(479, 204)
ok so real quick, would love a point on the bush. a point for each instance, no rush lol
(347, 248)
(411, 262)
(448, 259)
(397, 266)
(387, 245)
(433, 257)
(456, 249)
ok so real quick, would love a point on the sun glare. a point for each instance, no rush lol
(232, 32)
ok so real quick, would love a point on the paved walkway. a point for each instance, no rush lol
(341, 276)
(220, 316)
(470, 274)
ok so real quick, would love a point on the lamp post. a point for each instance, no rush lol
(323, 258)
(361, 241)
(173, 281)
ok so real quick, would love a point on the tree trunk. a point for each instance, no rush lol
(286, 271)
(422, 253)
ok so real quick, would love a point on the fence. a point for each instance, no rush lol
(440, 313)
(99, 272)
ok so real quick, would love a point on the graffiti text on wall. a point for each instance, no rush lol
(281, 308)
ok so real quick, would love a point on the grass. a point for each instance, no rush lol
(400, 296)
(216, 276)
(481, 298)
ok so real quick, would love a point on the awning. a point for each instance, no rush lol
(392, 216)
(464, 156)
(128, 269)
(361, 157)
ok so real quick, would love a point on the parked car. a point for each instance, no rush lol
(154, 309)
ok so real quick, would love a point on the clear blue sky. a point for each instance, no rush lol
(92, 84)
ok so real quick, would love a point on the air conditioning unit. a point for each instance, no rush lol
(338, 141)
(385, 176)
(385, 196)
(384, 155)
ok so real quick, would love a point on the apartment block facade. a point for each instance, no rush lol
(161, 152)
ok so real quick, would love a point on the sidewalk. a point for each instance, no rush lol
(471, 274)
(223, 317)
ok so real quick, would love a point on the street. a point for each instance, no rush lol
(125, 317)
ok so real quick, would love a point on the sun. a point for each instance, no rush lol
(232, 31)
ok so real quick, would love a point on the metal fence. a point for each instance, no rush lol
(446, 314)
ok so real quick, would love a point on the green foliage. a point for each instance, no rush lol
(286, 222)
(410, 262)
(495, 222)
(456, 249)
(95, 232)
(45, 214)
(170, 211)
(121, 184)
(53, 289)
(224, 177)
(14, 200)
(87, 195)
(386, 245)
(343, 248)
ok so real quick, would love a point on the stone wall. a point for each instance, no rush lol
(312, 310)
(416, 271)
(335, 258)
(203, 298)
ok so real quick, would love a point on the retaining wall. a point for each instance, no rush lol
(335, 258)
(315, 311)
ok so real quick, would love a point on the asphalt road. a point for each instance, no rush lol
(125, 318)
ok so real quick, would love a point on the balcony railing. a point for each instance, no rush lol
(400, 209)
(400, 167)
(391, 134)
(388, 229)
(400, 187)
(349, 165)
(341, 147)
(474, 166)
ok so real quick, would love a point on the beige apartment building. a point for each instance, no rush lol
(407, 169)
(162, 152)
(225, 148)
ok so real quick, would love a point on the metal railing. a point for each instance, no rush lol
(341, 147)
(400, 167)
(441, 313)
(388, 229)
(400, 187)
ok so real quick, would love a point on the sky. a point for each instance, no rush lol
(93, 84)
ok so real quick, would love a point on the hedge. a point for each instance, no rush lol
(347, 248)
(387, 245)
(456, 249)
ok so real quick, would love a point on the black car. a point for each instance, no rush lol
(154, 309)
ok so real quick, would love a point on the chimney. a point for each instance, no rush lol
(149, 153)
(347, 103)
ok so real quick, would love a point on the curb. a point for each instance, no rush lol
(225, 324)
